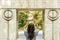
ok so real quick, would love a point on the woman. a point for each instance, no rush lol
(30, 32)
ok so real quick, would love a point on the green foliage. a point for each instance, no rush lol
(36, 15)
(40, 24)
(22, 18)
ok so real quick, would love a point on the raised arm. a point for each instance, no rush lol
(37, 28)
(25, 27)
(36, 24)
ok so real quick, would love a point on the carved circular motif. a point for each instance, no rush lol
(7, 15)
(52, 15)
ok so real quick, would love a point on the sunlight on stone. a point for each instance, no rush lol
(8, 2)
(3, 2)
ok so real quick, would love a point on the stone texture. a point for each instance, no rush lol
(3, 26)
(47, 27)
(29, 4)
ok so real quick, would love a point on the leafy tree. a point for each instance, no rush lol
(40, 24)
(38, 19)
(22, 18)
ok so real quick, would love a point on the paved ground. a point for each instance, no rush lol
(22, 37)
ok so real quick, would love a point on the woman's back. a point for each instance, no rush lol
(30, 33)
(35, 34)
